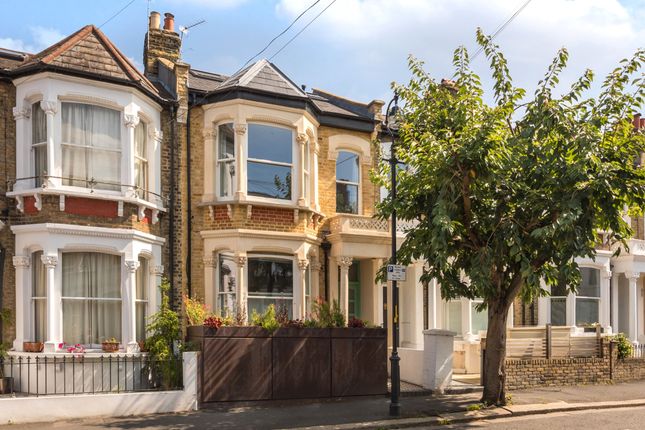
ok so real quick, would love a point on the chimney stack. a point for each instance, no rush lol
(169, 22)
(155, 20)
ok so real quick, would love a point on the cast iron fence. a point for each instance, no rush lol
(68, 375)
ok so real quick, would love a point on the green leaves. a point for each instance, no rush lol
(508, 196)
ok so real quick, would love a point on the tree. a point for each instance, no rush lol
(507, 195)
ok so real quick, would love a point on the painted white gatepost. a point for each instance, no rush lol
(437, 359)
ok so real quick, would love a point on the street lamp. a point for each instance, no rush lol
(395, 371)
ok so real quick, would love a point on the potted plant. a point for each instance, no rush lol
(6, 383)
(33, 346)
(110, 345)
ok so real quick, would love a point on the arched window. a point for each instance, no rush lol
(347, 182)
(269, 163)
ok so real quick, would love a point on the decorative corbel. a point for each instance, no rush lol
(119, 210)
(38, 203)
(155, 216)
(296, 216)
(249, 211)
(229, 211)
(20, 204)
(211, 212)
(141, 212)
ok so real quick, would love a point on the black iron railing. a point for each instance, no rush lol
(68, 375)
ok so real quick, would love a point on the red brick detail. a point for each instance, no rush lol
(91, 207)
(30, 205)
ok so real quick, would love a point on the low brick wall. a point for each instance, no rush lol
(522, 374)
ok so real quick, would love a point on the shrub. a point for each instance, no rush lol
(293, 324)
(625, 347)
(327, 316)
(213, 321)
(196, 311)
(267, 320)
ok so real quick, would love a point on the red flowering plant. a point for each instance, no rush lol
(356, 323)
(213, 321)
(78, 350)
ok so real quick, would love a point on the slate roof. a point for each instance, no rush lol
(263, 76)
(10, 59)
(88, 52)
(199, 80)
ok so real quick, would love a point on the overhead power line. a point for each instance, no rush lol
(117, 13)
(281, 33)
(503, 26)
(303, 29)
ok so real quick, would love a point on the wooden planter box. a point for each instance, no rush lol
(249, 363)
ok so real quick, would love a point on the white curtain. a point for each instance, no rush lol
(39, 141)
(142, 298)
(91, 144)
(140, 159)
(39, 295)
(91, 297)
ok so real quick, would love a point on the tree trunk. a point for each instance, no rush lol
(494, 360)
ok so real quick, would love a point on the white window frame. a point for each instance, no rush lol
(35, 259)
(294, 156)
(219, 295)
(123, 134)
(37, 181)
(596, 299)
(144, 160)
(306, 172)
(359, 192)
(145, 300)
(119, 300)
(220, 162)
(247, 279)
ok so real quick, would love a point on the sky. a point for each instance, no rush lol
(355, 48)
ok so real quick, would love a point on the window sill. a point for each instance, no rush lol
(91, 353)
(63, 192)
(265, 203)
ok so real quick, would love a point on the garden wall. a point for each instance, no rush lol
(249, 363)
(522, 374)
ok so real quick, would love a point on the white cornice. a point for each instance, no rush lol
(259, 234)
(79, 230)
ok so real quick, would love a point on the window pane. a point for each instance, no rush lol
(270, 277)
(40, 163)
(347, 167)
(590, 286)
(559, 311)
(227, 285)
(226, 178)
(260, 305)
(38, 275)
(141, 321)
(267, 180)
(40, 320)
(270, 143)
(226, 139)
(38, 124)
(480, 319)
(586, 311)
(90, 274)
(346, 198)
(140, 140)
(453, 320)
(142, 279)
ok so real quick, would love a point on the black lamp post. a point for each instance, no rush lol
(395, 372)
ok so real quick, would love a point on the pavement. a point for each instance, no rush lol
(418, 410)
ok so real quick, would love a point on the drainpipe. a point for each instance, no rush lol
(189, 212)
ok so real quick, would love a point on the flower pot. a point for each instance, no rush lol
(6, 385)
(110, 346)
(142, 345)
(33, 346)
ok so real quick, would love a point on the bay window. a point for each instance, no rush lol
(141, 298)
(141, 159)
(270, 281)
(588, 297)
(225, 159)
(479, 318)
(39, 143)
(91, 297)
(453, 316)
(91, 146)
(269, 163)
(39, 297)
(226, 298)
(347, 182)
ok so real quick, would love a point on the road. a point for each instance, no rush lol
(605, 419)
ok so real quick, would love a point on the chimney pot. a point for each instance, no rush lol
(169, 22)
(155, 20)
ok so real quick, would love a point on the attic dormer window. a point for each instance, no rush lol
(269, 163)
(91, 146)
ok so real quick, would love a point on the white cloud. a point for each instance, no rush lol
(41, 38)
(374, 37)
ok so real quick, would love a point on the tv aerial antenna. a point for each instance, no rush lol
(184, 29)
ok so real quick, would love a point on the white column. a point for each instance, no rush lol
(604, 311)
(128, 176)
(54, 306)
(129, 308)
(466, 319)
(50, 107)
(344, 263)
(302, 140)
(23, 302)
(241, 139)
(210, 296)
(571, 309)
(300, 309)
(23, 151)
(614, 301)
(240, 284)
(314, 172)
(433, 304)
(633, 277)
(377, 308)
(544, 306)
